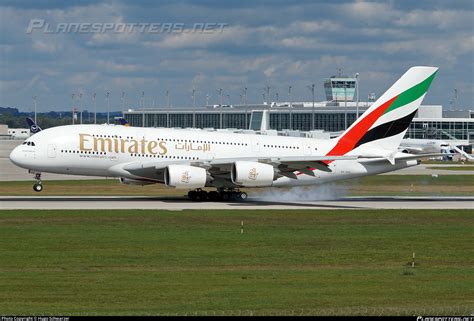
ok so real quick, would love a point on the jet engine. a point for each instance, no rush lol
(185, 177)
(252, 174)
(129, 181)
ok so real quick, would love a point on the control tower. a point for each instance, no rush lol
(339, 88)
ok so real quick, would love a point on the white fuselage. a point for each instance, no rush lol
(423, 146)
(104, 150)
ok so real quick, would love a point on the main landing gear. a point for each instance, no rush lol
(229, 195)
(38, 187)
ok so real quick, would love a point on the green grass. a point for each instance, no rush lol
(460, 185)
(198, 262)
(440, 162)
(453, 168)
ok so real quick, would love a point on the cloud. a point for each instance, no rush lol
(44, 47)
(439, 19)
(116, 67)
(197, 39)
(370, 12)
(274, 43)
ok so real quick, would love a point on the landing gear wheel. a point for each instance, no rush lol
(243, 196)
(225, 197)
(202, 196)
(193, 195)
(198, 195)
(37, 187)
(213, 196)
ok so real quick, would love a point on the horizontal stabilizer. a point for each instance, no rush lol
(405, 157)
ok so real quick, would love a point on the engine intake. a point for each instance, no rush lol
(252, 174)
(185, 177)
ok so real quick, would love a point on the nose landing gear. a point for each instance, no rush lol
(38, 187)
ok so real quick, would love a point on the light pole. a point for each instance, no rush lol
(455, 98)
(357, 95)
(220, 96)
(220, 111)
(194, 107)
(267, 90)
(108, 106)
(167, 98)
(72, 107)
(34, 101)
(80, 105)
(311, 87)
(289, 97)
(345, 106)
(245, 103)
(95, 108)
(122, 100)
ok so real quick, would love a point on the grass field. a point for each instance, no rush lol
(453, 168)
(461, 185)
(198, 262)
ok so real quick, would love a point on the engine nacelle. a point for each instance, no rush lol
(252, 174)
(185, 177)
(129, 181)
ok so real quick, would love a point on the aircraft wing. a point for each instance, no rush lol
(285, 165)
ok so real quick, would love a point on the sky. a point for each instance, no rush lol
(176, 46)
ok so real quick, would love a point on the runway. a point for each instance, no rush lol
(177, 204)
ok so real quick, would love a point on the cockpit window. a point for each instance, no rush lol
(29, 143)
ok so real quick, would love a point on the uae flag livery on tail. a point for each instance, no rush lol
(384, 124)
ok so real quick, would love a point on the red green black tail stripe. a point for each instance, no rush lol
(389, 129)
(359, 133)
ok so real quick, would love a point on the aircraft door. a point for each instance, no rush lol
(307, 149)
(255, 145)
(52, 151)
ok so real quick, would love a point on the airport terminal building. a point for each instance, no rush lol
(295, 118)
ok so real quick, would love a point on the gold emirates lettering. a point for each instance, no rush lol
(89, 142)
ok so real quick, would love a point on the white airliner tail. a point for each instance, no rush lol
(384, 124)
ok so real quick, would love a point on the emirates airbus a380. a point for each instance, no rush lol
(194, 159)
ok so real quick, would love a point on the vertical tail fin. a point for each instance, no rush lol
(123, 122)
(384, 124)
(33, 127)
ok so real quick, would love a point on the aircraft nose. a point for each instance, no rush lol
(16, 156)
